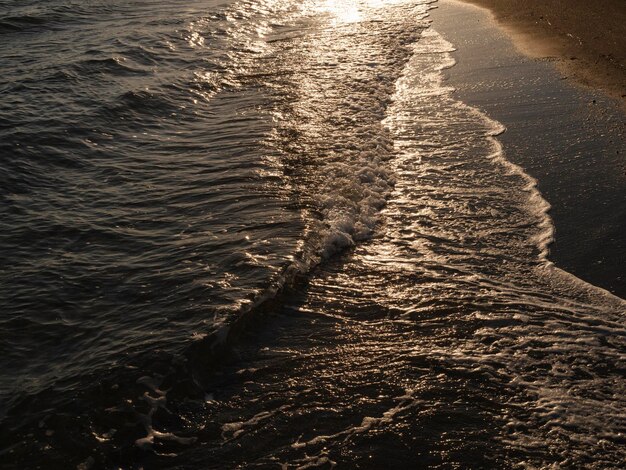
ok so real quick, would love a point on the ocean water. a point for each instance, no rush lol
(266, 234)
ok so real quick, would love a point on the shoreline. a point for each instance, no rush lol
(587, 40)
(570, 139)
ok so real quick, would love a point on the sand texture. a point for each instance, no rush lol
(586, 37)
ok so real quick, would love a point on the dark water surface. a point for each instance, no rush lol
(266, 234)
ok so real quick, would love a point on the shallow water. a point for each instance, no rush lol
(265, 234)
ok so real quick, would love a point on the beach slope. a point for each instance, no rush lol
(587, 38)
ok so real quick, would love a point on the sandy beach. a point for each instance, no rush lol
(568, 137)
(588, 39)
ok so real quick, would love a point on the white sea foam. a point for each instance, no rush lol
(156, 402)
(568, 320)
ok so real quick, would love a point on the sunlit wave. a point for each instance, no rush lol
(351, 11)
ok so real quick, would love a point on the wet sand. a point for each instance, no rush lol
(586, 38)
(569, 138)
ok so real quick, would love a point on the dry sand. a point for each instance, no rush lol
(586, 37)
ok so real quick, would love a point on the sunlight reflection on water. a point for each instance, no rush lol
(352, 11)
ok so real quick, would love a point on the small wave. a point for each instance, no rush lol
(12, 24)
(116, 66)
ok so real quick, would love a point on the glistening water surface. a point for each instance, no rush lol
(265, 234)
